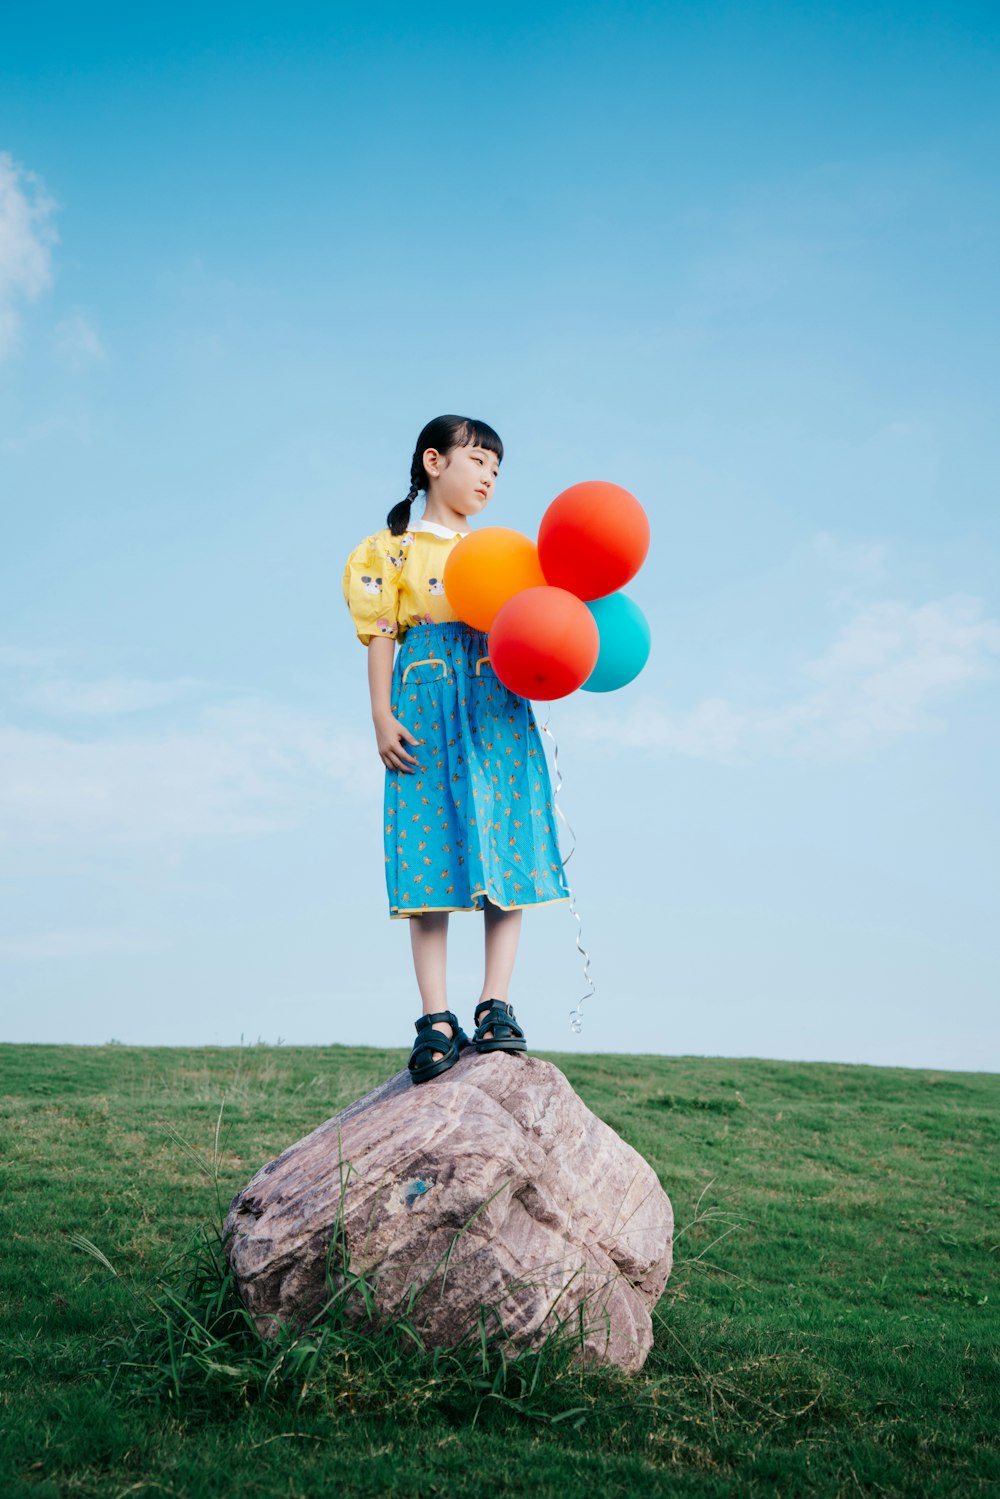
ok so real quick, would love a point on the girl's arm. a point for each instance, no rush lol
(389, 732)
(381, 651)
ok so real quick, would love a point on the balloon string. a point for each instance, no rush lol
(576, 1014)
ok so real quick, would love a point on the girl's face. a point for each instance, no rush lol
(461, 480)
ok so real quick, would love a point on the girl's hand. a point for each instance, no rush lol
(390, 733)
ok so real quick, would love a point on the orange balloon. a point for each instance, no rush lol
(544, 643)
(593, 538)
(487, 568)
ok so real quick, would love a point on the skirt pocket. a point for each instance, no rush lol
(422, 673)
(492, 696)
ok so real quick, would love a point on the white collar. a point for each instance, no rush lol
(434, 528)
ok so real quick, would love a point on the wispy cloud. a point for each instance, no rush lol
(79, 346)
(239, 769)
(863, 561)
(26, 238)
(113, 697)
(79, 760)
(885, 673)
(95, 943)
(61, 429)
(29, 657)
(792, 234)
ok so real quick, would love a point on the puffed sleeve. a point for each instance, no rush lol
(371, 585)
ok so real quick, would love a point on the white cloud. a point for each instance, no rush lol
(246, 767)
(110, 698)
(76, 944)
(50, 429)
(892, 664)
(78, 344)
(884, 674)
(26, 237)
(241, 769)
(802, 233)
(221, 767)
(861, 561)
(29, 658)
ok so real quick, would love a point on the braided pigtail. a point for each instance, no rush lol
(398, 518)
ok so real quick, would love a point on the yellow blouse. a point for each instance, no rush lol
(393, 582)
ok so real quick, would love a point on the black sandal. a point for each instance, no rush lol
(421, 1064)
(498, 1017)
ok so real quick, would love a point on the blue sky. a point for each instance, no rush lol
(738, 258)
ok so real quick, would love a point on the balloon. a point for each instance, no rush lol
(593, 538)
(625, 641)
(487, 568)
(544, 643)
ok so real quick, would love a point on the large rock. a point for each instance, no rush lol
(542, 1206)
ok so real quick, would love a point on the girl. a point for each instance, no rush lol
(468, 818)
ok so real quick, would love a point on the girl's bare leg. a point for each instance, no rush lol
(502, 934)
(429, 943)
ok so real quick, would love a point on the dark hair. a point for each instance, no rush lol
(443, 433)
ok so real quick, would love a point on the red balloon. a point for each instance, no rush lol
(544, 643)
(593, 538)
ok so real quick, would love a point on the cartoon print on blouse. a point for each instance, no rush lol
(386, 626)
(435, 585)
(403, 544)
(372, 585)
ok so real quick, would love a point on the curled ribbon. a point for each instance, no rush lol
(576, 1014)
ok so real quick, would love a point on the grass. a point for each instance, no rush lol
(830, 1328)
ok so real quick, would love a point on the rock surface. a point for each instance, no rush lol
(541, 1204)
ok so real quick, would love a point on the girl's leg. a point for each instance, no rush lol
(429, 943)
(502, 933)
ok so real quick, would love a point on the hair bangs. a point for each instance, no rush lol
(475, 434)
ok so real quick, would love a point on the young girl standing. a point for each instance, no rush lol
(468, 819)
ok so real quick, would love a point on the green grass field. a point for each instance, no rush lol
(830, 1327)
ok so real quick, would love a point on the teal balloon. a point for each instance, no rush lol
(625, 642)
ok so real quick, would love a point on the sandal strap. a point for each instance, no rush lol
(429, 1020)
(492, 1004)
(499, 1018)
(430, 1040)
(424, 1050)
(423, 1054)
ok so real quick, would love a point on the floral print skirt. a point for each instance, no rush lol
(476, 819)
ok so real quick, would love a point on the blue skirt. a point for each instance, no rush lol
(476, 819)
